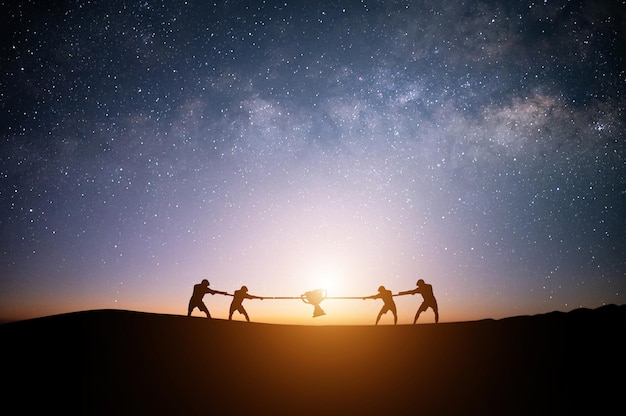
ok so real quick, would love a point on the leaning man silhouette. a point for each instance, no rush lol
(237, 303)
(388, 305)
(199, 291)
(426, 291)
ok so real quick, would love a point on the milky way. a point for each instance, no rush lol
(149, 144)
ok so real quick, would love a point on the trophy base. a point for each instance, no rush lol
(318, 311)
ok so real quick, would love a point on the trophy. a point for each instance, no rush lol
(314, 297)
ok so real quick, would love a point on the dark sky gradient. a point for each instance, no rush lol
(146, 145)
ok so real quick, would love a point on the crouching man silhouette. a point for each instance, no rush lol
(426, 291)
(199, 291)
(388, 305)
(237, 303)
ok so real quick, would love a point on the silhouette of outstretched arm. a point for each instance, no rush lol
(408, 292)
(254, 297)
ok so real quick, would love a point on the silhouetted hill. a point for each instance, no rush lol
(121, 362)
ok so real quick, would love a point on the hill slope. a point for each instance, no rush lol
(123, 362)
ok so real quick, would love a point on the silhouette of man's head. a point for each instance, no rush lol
(244, 288)
(420, 282)
(381, 288)
(205, 282)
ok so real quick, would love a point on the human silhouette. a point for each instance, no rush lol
(237, 303)
(426, 291)
(199, 291)
(388, 305)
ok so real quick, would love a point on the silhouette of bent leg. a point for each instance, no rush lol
(378, 317)
(417, 315)
(204, 309)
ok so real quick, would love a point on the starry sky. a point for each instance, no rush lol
(289, 146)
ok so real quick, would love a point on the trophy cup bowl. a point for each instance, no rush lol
(314, 297)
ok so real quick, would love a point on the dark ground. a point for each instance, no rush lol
(113, 362)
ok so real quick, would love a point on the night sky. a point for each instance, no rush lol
(292, 145)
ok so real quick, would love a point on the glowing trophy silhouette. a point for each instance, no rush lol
(314, 297)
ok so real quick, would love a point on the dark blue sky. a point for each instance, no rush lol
(148, 144)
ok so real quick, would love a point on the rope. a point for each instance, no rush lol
(300, 297)
(345, 297)
(280, 297)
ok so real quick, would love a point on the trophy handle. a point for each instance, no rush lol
(324, 291)
(303, 297)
